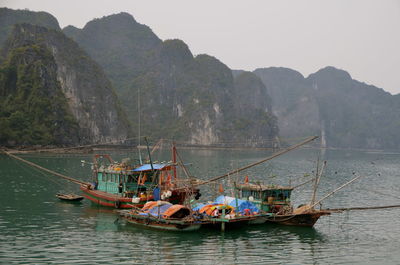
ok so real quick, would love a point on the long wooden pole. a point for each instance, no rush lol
(47, 170)
(336, 190)
(261, 161)
(316, 183)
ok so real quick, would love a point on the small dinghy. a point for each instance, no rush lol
(69, 197)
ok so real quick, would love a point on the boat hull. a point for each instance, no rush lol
(230, 224)
(161, 224)
(305, 219)
(69, 198)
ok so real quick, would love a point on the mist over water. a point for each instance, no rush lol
(37, 228)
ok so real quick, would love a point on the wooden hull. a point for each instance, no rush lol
(117, 201)
(229, 224)
(161, 224)
(69, 198)
(305, 219)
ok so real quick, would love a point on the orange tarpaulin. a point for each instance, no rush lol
(173, 209)
(149, 205)
(209, 209)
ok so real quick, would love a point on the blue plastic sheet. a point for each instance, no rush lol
(239, 205)
(159, 209)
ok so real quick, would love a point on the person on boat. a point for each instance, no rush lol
(120, 187)
(215, 213)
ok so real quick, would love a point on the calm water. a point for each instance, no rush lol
(36, 228)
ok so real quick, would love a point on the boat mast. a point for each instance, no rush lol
(174, 158)
(318, 175)
(140, 154)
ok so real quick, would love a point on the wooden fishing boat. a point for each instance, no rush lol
(69, 197)
(123, 185)
(275, 202)
(221, 215)
(163, 216)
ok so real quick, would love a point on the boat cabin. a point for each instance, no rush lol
(128, 181)
(268, 198)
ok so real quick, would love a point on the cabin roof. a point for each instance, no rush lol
(261, 187)
(147, 167)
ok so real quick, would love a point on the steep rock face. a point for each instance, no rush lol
(181, 96)
(252, 103)
(355, 114)
(293, 102)
(88, 92)
(344, 112)
(33, 107)
(10, 17)
(118, 43)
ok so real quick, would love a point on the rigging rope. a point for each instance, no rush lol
(47, 170)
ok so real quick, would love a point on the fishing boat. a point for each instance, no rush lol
(123, 185)
(275, 202)
(229, 213)
(69, 197)
(163, 215)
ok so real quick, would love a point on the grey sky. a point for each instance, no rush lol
(359, 36)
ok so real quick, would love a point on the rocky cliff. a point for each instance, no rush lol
(346, 113)
(181, 96)
(10, 17)
(92, 107)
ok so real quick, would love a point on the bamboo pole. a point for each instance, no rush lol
(333, 192)
(261, 161)
(317, 179)
(47, 170)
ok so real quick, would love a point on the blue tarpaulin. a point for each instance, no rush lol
(159, 209)
(156, 194)
(238, 204)
(148, 167)
(198, 206)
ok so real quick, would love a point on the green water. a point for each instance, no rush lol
(37, 228)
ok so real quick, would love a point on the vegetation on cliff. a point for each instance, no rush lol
(181, 96)
(65, 67)
(33, 109)
(10, 17)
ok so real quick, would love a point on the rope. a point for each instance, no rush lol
(24, 168)
(363, 208)
(47, 170)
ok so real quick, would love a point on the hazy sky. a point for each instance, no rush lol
(359, 36)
